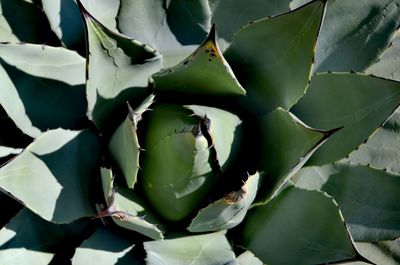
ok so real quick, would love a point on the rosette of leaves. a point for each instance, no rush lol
(199, 132)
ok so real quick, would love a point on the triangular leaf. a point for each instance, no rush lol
(357, 102)
(124, 144)
(204, 72)
(275, 232)
(272, 57)
(46, 85)
(58, 192)
(118, 70)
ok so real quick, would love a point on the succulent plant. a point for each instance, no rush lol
(199, 132)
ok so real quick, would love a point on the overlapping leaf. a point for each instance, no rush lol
(46, 85)
(118, 70)
(357, 102)
(196, 250)
(276, 232)
(102, 248)
(204, 72)
(125, 208)
(272, 57)
(227, 212)
(354, 40)
(56, 191)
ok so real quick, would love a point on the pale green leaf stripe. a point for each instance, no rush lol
(22, 256)
(195, 250)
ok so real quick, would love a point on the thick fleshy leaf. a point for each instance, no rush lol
(272, 57)
(388, 64)
(248, 258)
(368, 199)
(21, 256)
(28, 238)
(118, 70)
(381, 253)
(354, 40)
(298, 3)
(357, 102)
(183, 175)
(105, 11)
(276, 232)
(313, 178)
(204, 72)
(288, 143)
(102, 248)
(196, 250)
(65, 21)
(46, 85)
(230, 15)
(227, 212)
(125, 208)
(175, 28)
(225, 131)
(6, 151)
(382, 150)
(124, 144)
(24, 21)
(52, 176)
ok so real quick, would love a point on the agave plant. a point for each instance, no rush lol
(199, 132)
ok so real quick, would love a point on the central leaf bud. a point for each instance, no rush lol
(177, 166)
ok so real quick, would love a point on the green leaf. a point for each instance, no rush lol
(248, 258)
(368, 199)
(272, 57)
(196, 250)
(313, 178)
(224, 10)
(288, 143)
(354, 40)
(227, 212)
(52, 176)
(204, 72)
(118, 70)
(183, 175)
(28, 238)
(126, 209)
(387, 252)
(387, 65)
(101, 248)
(357, 102)
(65, 21)
(124, 144)
(105, 11)
(276, 232)
(46, 85)
(175, 28)
(225, 130)
(24, 21)
(382, 150)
